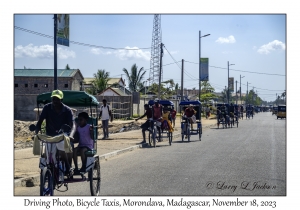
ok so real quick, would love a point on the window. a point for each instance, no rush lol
(45, 85)
(16, 85)
(26, 85)
(66, 85)
(35, 85)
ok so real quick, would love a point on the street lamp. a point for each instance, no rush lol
(228, 81)
(200, 62)
(241, 87)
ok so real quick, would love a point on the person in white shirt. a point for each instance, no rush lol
(105, 115)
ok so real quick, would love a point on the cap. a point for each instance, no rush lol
(57, 93)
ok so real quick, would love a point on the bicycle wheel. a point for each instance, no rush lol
(170, 138)
(95, 179)
(199, 133)
(154, 136)
(150, 139)
(46, 183)
(189, 133)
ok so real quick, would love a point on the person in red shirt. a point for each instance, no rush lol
(145, 125)
(173, 117)
(190, 113)
(157, 113)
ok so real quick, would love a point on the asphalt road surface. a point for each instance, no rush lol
(248, 160)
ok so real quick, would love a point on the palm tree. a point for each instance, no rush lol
(135, 77)
(100, 81)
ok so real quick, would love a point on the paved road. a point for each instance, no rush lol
(249, 160)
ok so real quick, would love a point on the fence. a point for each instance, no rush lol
(24, 106)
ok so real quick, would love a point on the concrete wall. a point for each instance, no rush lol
(46, 84)
(41, 82)
(24, 106)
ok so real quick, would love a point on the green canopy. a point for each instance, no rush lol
(71, 98)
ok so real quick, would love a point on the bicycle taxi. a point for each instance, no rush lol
(163, 129)
(234, 118)
(52, 176)
(221, 120)
(186, 129)
(274, 110)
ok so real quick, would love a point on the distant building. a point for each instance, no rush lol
(36, 81)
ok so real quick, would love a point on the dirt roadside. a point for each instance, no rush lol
(22, 135)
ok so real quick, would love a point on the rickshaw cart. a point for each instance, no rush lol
(185, 122)
(220, 118)
(170, 106)
(50, 169)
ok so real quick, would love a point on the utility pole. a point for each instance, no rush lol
(55, 52)
(228, 83)
(276, 99)
(253, 95)
(225, 94)
(160, 65)
(228, 80)
(247, 100)
(236, 91)
(182, 64)
(200, 69)
(241, 87)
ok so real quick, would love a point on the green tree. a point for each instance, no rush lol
(207, 91)
(67, 67)
(99, 83)
(176, 87)
(135, 77)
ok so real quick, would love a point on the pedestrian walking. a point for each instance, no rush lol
(207, 110)
(105, 115)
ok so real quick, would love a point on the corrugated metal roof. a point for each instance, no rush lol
(44, 72)
(111, 81)
(119, 91)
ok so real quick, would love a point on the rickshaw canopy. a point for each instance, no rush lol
(71, 98)
(162, 102)
(186, 103)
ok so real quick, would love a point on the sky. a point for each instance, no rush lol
(253, 43)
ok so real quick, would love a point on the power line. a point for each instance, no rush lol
(172, 57)
(162, 65)
(252, 72)
(78, 43)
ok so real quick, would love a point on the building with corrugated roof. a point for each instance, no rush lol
(36, 81)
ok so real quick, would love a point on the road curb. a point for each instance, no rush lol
(35, 180)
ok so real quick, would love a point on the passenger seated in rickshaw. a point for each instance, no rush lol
(190, 112)
(231, 110)
(86, 143)
(166, 123)
(224, 113)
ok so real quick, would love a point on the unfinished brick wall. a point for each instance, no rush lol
(38, 85)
